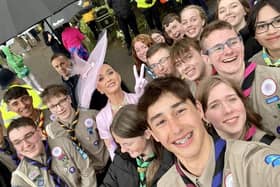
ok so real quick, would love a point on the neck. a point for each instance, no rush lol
(148, 151)
(274, 54)
(197, 164)
(116, 98)
(237, 77)
(241, 25)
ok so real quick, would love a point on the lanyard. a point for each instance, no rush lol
(249, 77)
(220, 148)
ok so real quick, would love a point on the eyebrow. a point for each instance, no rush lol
(172, 107)
(227, 96)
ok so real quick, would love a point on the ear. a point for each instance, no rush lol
(153, 134)
(147, 134)
(200, 109)
(203, 22)
(205, 57)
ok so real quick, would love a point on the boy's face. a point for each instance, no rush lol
(174, 30)
(62, 65)
(60, 106)
(23, 106)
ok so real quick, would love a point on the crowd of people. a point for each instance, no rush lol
(204, 112)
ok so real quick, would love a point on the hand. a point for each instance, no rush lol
(140, 81)
(80, 67)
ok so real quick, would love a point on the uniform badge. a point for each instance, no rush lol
(52, 117)
(33, 174)
(273, 159)
(58, 153)
(72, 170)
(268, 87)
(89, 122)
(229, 180)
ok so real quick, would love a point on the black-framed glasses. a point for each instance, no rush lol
(219, 48)
(162, 61)
(263, 27)
(27, 138)
(59, 103)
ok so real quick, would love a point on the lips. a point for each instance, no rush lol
(272, 38)
(230, 59)
(231, 120)
(185, 140)
(110, 84)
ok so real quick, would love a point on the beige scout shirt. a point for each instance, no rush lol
(244, 167)
(66, 162)
(257, 58)
(90, 142)
(275, 144)
(265, 97)
(5, 157)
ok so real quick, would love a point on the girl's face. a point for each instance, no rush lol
(134, 146)
(141, 51)
(108, 81)
(158, 38)
(232, 12)
(271, 38)
(226, 111)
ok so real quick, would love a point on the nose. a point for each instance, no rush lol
(21, 105)
(227, 108)
(174, 126)
(25, 144)
(227, 49)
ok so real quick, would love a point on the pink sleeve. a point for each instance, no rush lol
(80, 35)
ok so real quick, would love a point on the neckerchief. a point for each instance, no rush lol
(220, 149)
(268, 61)
(142, 166)
(71, 129)
(7, 150)
(249, 76)
(56, 179)
(41, 124)
(250, 133)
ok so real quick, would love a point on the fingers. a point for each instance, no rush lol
(142, 70)
(135, 72)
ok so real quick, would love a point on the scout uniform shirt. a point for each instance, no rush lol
(263, 137)
(8, 155)
(265, 97)
(67, 163)
(246, 164)
(87, 135)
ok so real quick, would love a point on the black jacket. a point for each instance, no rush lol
(123, 171)
(122, 8)
(250, 43)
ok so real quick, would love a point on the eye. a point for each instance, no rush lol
(110, 72)
(100, 79)
(160, 123)
(214, 105)
(16, 143)
(180, 111)
(178, 64)
(234, 5)
(261, 27)
(219, 47)
(233, 98)
(221, 11)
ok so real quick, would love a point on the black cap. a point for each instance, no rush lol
(6, 77)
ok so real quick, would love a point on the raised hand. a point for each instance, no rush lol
(140, 81)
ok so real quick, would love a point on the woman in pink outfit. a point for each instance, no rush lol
(72, 40)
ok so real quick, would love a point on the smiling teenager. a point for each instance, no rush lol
(53, 163)
(139, 160)
(223, 48)
(227, 112)
(175, 119)
(264, 23)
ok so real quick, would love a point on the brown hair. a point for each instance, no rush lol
(169, 18)
(183, 46)
(202, 13)
(21, 122)
(244, 3)
(205, 86)
(155, 48)
(145, 39)
(14, 93)
(53, 91)
(213, 26)
(56, 55)
(157, 87)
(128, 124)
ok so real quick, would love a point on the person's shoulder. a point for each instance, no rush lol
(267, 71)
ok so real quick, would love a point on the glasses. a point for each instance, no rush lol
(219, 48)
(264, 26)
(161, 62)
(27, 138)
(60, 103)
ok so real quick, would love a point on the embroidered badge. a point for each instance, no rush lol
(89, 122)
(272, 99)
(52, 117)
(273, 159)
(72, 170)
(268, 87)
(278, 129)
(40, 182)
(229, 180)
(80, 151)
(33, 174)
(58, 153)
